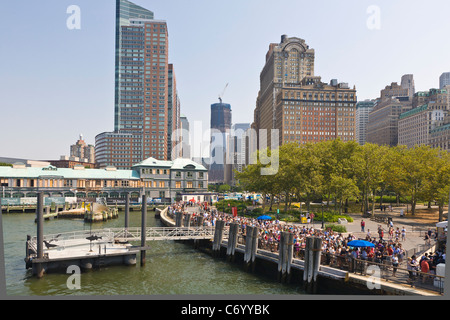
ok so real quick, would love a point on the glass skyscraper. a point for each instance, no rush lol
(125, 12)
(220, 127)
(141, 104)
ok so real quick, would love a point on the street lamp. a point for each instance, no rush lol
(322, 215)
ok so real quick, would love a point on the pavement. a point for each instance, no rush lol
(414, 239)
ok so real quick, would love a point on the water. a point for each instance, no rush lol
(171, 268)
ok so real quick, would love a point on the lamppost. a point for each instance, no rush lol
(322, 216)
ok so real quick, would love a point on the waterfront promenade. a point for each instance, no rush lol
(413, 244)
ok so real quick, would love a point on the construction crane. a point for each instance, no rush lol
(223, 92)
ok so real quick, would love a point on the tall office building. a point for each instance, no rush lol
(296, 103)
(129, 65)
(363, 109)
(395, 99)
(407, 82)
(83, 151)
(444, 80)
(185, 135)
(220, 129)
(174, 122)
(235, 152)
(428, 112)
(382, 128)
(146, 102)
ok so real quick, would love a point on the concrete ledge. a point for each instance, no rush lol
(390, 287)
(168, 222)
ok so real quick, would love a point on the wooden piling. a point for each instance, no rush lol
(127, 211)
(143, 228)
(232, 241)
(187, 220)
(313, 251)
(285, 254)
(251, 245)
(178, 219)
(200, 221)
(40, 233)
(218, 235)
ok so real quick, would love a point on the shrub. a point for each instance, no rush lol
(257, 211)
(331, 216)
(222, 205)
(336, 228)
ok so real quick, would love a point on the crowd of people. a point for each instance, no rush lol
(334, 244)
(426, 265)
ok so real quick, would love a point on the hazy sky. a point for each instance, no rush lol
(57, 83)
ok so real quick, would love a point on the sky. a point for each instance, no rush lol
(57, 83)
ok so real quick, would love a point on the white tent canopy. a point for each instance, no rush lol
(442, 224)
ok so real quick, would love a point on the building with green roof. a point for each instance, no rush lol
(429, 111)
(157, 179)
(440, 137)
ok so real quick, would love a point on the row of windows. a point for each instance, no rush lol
(58, 183)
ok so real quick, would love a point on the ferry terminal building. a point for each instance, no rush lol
(165, 180)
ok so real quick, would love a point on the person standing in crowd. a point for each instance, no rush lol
(425, 268)
(394, 264)
(403, 234)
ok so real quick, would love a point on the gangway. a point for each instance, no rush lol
(73, 239)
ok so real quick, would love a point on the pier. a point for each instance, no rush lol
(101, 247)
(312, 271)
(98, 248)
(120, 246)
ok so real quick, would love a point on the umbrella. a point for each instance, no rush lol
(264, 217)
(360, 243)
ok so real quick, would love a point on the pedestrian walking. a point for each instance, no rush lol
(394, 264)
(380, 233)
(363, 224)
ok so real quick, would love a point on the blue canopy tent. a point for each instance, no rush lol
(264, 217)
(360, 243)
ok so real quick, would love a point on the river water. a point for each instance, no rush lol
(172, 268)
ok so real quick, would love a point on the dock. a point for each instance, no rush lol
(87, 250)
(229, 243)
(97, 248)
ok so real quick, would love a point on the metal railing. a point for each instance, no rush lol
(165, 233)
(65, 240)
(385, 270)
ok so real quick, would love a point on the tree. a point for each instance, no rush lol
(286, 177)
(371, 167)
(343, 188)
(338, 160)
(4, 164)
(308, 167)
(223, 188)
(414, 166)
(437, 186)
(252, 179)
